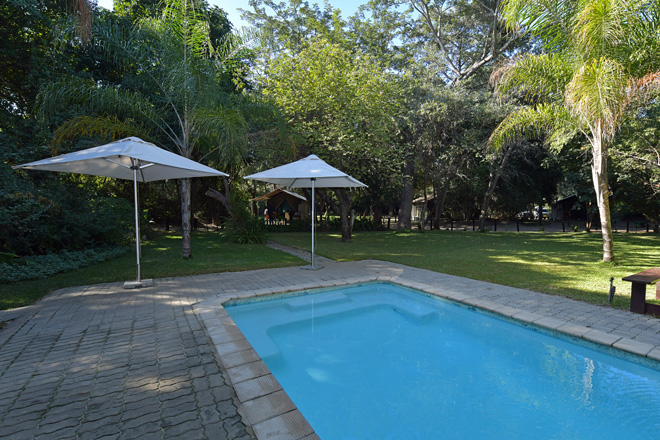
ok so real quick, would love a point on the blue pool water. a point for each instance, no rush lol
(383, 362)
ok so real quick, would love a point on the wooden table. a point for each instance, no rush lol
(638, 293)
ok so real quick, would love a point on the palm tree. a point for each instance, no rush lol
(597, 68)
(176, 97)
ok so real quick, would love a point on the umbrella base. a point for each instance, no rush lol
(138, 284)
(310, 267)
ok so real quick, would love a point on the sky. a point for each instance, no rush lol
(347, 7)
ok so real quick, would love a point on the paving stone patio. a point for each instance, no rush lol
(167, 362)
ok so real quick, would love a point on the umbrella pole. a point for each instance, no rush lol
(137, 218)
(313, 221)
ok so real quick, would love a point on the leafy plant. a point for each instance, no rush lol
(45, 213)
(242, 227)
(42, 266)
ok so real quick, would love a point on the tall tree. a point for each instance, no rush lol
(341, 106)
(466, 34)
(594, 71)
(288, 26)
(463, 39)
(175, 95)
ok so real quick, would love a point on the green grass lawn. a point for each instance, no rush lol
(161, 258)
(565, 264)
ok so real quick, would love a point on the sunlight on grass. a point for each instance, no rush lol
(567, 264)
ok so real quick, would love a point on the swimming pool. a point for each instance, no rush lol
(383, 362)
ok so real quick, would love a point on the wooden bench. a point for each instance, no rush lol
(638, 293)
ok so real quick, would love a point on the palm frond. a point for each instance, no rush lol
(90, 98)
(235, 43)
(534, 123)
(82, 126)
(642, 39)
(598, 92)
(539, 78)
(184, 23)
(548, 19)
(600, 25)
(120, 43)
(225, 128)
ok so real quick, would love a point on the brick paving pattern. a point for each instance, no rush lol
(102, 362)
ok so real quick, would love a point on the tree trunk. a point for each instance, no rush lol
(443, 199)
(422, 220)
(599, 174)
(377, 215)
(436, 206)
(407, 190)
(494, 177)
(225, 198)
(186, 205)
(345, 200)
(449, 175)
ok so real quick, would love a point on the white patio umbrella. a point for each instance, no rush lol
(310, 172)
(132, 159)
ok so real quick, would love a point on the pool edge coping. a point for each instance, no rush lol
(271, 412)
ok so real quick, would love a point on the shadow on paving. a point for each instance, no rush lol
(102, 362)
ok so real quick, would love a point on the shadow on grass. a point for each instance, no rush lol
(567, 264)
(161, 258)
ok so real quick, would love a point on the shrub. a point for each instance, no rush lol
(361, 224)
(48, 215)
(242, 227)
(42, 266)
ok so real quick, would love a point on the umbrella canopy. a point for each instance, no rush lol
(310, 172)
(116, 160)
(132, 159)
(301, 173)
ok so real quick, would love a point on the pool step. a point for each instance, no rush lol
(317, 300)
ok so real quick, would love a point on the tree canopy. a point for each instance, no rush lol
(481, 109)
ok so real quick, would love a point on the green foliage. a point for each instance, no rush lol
(242, 227)
(178, 87)
(48, 216)
(336, 100)
(636, 170)
(249, 230)
(379, 28)
(464, 38)
(42, 266)
(360, 224)
(344, 107)
(592, 82)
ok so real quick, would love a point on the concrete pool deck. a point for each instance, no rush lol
(167, 361)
